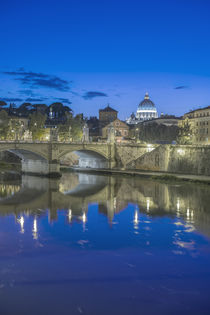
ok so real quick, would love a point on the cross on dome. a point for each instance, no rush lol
(146, 96)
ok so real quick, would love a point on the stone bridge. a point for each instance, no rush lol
(44, 158)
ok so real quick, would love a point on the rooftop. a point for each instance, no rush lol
(195, 110)
(108, 109)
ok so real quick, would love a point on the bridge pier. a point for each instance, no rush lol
(41, 168)
(111, 155)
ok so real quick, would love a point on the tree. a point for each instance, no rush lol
(3, 103)
(42, 108)
(71, 129)
(153, 132)
(25, 109)
(15, 129)
(36, 125)
(4, 125)
(59, 110)
(12, 108)
(185, 133)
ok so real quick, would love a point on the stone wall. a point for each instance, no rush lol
(189, 159)
(155, 160)
(185, 159)
(126, 153)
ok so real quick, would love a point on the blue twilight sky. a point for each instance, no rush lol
(93, 52)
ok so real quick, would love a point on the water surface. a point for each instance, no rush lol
(90, 244)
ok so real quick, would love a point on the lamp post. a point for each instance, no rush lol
(13, 134)
(69, 133)
(137, 134)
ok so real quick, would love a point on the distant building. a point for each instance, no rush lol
(199, 121)
(99, 128)
(120, 127)
(167, 120)
(146, 111)
(107, 114)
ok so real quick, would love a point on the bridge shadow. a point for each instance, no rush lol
(84, 159)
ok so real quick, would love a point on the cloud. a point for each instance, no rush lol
(27, 92)
(31, 99)
(181, 87)
(11, 99)
(92, 94)
(64, 100)
(37, 80)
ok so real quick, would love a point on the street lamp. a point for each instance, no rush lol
(13, 134)
(137, 134)
(69, 133)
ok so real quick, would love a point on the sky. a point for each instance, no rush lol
(90, 53)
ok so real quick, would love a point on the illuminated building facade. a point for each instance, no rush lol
(199, 121)
(146, 111)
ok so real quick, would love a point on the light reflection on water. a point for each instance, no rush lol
(102, 244)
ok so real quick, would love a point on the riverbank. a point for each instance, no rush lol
(161, 176)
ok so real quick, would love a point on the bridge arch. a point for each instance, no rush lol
(31, 162)
(24, 154)
(87, 158)
(38, 149)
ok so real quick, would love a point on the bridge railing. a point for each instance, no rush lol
(129, 143)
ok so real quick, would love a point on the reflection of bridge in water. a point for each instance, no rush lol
(74, 192)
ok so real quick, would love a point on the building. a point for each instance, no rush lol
(167, 120)
(99, 128)
(199, 121)
(120, 127)
(107, 115)
(146, 111)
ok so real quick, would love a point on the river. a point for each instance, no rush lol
(96, 244)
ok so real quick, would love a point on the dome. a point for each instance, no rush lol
(146, 103)
(145, 111)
